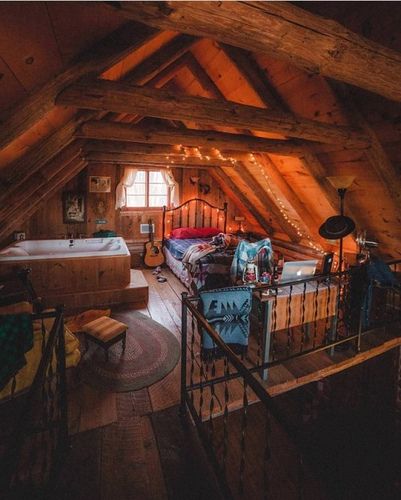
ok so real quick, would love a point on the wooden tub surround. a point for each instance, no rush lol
(78, 273)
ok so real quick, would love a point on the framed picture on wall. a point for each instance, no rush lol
(74, 207)
(99, 184)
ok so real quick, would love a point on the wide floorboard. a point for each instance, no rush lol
(146, 452)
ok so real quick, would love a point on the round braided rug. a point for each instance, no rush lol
(151, 353)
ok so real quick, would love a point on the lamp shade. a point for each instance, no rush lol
(336, 227)
(341, 181)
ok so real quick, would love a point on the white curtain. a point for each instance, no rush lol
(173, 185)
(127, 180)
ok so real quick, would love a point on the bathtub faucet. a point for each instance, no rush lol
(71, 243)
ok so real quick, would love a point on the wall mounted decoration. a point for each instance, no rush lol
(99, 184)
(74, 207)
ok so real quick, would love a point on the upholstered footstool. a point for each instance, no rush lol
(105, 332)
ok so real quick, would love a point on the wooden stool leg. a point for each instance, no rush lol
(124, 340)
(106, 352)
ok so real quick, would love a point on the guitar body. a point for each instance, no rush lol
(153, 250)
(153, 254)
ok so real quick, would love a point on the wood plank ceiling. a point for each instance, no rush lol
(243, 89)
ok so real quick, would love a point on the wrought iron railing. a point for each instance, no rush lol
(36, 439)
(214, 386)
(289, 321)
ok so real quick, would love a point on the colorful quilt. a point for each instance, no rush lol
(212, 270)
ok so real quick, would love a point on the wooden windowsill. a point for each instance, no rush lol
(133, 210)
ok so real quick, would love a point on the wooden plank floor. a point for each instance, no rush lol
(146, 453)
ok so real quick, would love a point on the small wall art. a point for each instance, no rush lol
(99, 184)
(74, 207)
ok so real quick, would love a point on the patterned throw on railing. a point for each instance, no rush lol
(227, 309)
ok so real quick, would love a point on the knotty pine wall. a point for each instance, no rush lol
(48, 223)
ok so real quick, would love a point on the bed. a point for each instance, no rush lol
(212, 270)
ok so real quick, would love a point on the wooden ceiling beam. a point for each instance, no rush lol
(96, 60)
(263, 196)
(120, 97)
(144, 159)
(101, 130)
(225, 180)
(32, 204)
(152, 66)
(284, 30)
(157, 70)
(132, 147)
(150, 165)
(251, 74)
(37, 181)
(250, 70)
(18, 171)
(376, 154)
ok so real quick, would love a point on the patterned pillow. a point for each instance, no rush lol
(227, 310)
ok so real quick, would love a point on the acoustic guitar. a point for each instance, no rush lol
(153, 250)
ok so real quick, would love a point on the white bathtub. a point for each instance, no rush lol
(63, 249)
(70, 266)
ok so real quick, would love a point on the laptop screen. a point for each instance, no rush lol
(298, 270)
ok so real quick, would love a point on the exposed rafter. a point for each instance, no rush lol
(283, 30)
(102, 130)
(255, 78)
(123, 98)
(223, 179)
(33, 202)
(145, 159)
(95, 61)
(16, 199)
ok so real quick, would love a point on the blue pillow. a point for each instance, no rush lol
(227, 310)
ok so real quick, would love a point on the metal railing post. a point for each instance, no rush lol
(184, 331)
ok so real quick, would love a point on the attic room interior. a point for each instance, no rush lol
(200, 261)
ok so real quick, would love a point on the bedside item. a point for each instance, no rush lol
(250, 275)
(327, 262)
(297, 270)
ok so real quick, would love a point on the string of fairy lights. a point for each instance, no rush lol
(187, 152)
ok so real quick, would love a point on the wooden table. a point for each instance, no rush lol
(304, 308)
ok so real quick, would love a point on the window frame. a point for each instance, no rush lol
(147, 184)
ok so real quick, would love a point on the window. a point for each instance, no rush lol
(149, 190)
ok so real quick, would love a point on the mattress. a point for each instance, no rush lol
(178, 247)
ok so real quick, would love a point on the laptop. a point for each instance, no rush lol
(298, 270)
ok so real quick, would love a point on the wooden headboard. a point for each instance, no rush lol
(194, 213)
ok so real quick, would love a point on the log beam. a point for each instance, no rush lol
(263, 197)
(99, 58)
(187, 137)
(120, 97)
(224, 180)
(251, 72)
(32, 204)
(132, 147)
(18, 171)
(281, 29)
(376, 154)
(37, 181)
(144, 159)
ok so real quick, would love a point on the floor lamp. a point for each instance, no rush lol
(339, 226)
